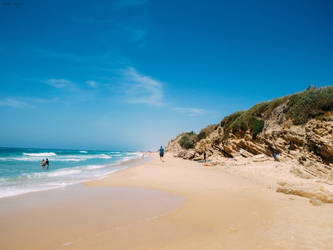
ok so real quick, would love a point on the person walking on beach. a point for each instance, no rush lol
(161, 153)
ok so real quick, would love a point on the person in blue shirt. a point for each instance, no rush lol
(161, 153)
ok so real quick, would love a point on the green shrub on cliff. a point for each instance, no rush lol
(206, 131)
(188, 140)
(300, 107)
(256, 126)
(310, 103)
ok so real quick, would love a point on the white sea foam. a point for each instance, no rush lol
(58, 177)
(82, 157)
(116, 155)
(92, 167)
(60, 172)
(136, 153)
(104, 156)
(63, 158)
(13, 191)
(84, 152)
(38, 159)
(23, 158)
(64, 172)
(40, 154)
(69, 159)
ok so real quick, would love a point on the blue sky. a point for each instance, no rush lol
(132, 74)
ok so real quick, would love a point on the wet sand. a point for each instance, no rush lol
(176, 204)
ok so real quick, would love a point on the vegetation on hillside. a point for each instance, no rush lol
(189, 140)
(252, 119)
(206, 131)
(299, 107)
(311, 103)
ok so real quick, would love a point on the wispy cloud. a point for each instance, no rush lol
(129, 3)
(60, 83)
(73, 91)
(190, 111)
(92, 84)
(139, 88)
(23, 102)
(14, 103)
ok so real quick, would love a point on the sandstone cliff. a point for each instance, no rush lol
(296, 128)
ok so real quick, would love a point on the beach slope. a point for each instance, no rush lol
(175, 204)
(224, 210)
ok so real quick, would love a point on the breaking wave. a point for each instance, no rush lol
(40, 154)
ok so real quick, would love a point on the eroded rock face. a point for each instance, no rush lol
(315, 193)
(174, 146)
(311, 144)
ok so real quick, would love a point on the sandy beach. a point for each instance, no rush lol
(176, 204)
(166, 125)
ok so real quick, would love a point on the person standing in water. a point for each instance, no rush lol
(161, 153)
(43, 164)
(47, 163)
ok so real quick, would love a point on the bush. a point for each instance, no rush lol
(239, 125)
(228, 120)
(259, 108)
(241, 121)
(228, 123)
(310, 103)
(206, 131)
(256, 126)
(188, 140)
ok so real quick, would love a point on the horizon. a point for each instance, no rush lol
(130, 75)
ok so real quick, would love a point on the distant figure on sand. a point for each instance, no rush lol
(161, 153)
(275, 155)
(47, 163)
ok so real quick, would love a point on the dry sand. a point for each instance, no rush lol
(176, 204)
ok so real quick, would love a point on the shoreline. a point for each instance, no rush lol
(190, 207)
(124, 164)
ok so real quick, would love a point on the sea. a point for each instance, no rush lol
(21, 170)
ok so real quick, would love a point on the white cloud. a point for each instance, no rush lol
(127, 3)
(92, 84)
(14, 103)
(59, 83)
(23, 102)
(140, 88)
(190, 111)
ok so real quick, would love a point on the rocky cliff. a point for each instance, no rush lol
(298, 127)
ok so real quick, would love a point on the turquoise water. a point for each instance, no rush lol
(21, 170)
